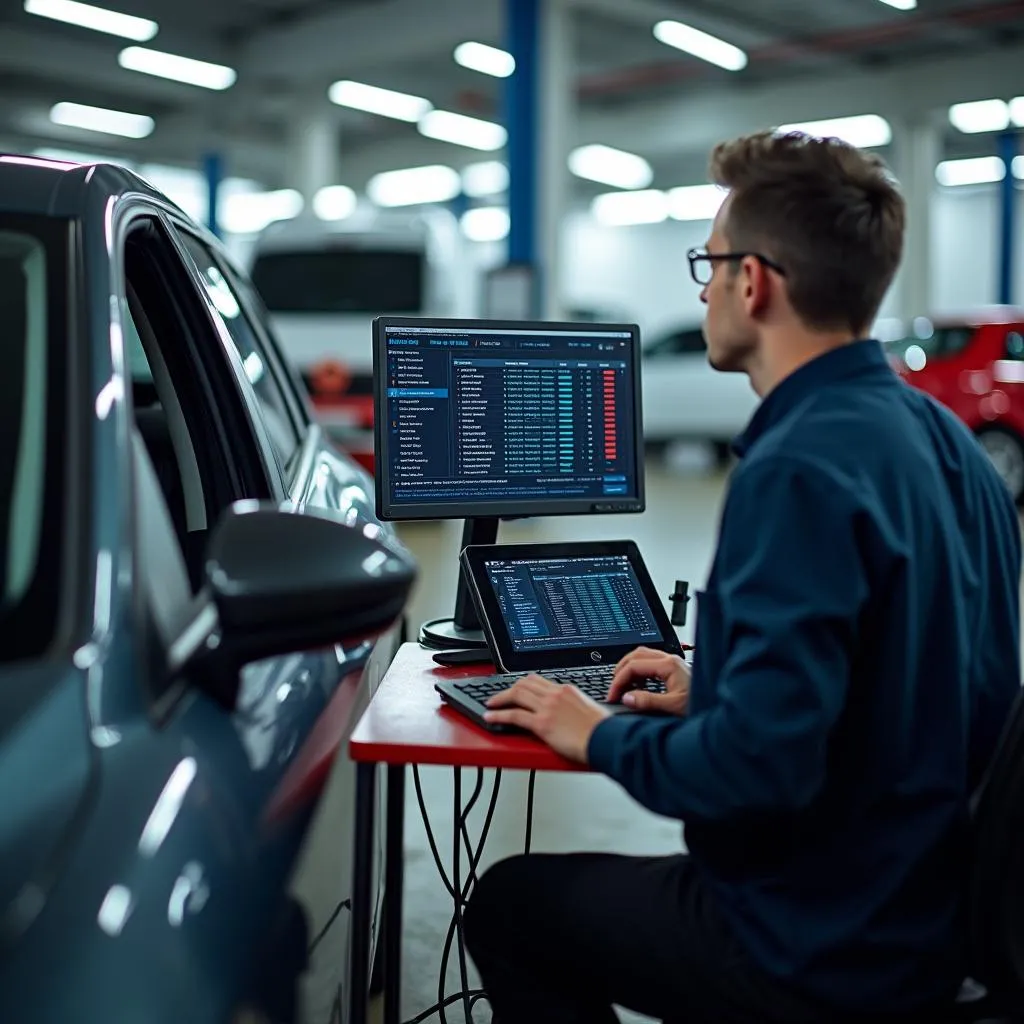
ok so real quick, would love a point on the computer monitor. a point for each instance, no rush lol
(489, 419)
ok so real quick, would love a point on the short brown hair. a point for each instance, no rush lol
(829, 214)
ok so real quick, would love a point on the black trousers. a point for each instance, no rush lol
(560, 938)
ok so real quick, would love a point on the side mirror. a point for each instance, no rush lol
(282, 582)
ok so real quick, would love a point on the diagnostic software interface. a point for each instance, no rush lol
(476, 415)
(572, 602)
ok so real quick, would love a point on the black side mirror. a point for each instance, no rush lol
(283, 582)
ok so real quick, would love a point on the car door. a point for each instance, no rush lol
(221, 448)
(313, 475)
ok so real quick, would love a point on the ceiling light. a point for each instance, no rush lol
(96, 18)
(620, 209)
(414, 185)
(248, 214)
(901, 5)
(489, 178)
(99, 119)
(462, 130)
(980, 170)
(1017, 111)
(334, 202)
(980, 116)
(865, 131)
(1018, 166)
(488, 60)
(485, 224)
(700, 44)
(610, 166)
(177, 69)
(385, 102)
(695, 202)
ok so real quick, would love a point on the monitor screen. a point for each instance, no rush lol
(555, 603)
(506, 418)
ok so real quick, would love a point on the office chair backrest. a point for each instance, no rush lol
(996, 894)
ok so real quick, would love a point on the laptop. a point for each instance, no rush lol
(569, 612)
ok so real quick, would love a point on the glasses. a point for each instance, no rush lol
(702, 263)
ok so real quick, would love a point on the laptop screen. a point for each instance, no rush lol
(559, 603)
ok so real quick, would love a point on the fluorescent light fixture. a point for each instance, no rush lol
(1018, 166)
(462, 130)
(96, 18)
(488, 60)
(1017, 111)
(334, 202)
(700, 44)
(385, 102)
(249, 213)
(489, 178)
(980, 170)
(485, 224)
(99, 119)
(865, 131)
(980, 116)
(415, 185)
(900, 5)
(621, 209)
(177, 69)
(610, 166)
(695, 202)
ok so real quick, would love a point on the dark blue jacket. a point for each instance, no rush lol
(857, 652)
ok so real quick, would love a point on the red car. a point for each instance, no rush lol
(975, 365)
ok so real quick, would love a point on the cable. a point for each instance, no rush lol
(460, 827)
(448, 1002)
(343, 905)
(430, 834)
(529, 811)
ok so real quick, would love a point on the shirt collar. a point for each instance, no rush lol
(856, 359)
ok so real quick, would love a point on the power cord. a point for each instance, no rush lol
(345, 904)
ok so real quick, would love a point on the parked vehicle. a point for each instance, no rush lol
(685, 398)
(196, 603)
(324, 282)
(975, 365)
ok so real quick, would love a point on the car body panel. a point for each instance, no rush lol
(156, 863)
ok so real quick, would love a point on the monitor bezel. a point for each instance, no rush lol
(473, 560)
(499, 509)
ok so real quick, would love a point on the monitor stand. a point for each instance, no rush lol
(462, 630)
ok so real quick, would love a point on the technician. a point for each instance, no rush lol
(856, 657)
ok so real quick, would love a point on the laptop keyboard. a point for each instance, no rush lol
(594, 682)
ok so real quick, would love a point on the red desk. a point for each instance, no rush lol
(407, 723)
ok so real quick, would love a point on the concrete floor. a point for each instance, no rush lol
(676, 536)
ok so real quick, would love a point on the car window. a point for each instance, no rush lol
(688, 342)
(1014, 345)
(339, 280)
(280, 427)
(31, 425)
(933, 342)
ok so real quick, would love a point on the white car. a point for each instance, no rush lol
(685, 399)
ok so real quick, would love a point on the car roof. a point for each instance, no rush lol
(980, 316)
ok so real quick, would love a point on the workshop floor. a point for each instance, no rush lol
(676, 536)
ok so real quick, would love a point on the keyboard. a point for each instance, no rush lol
(471, 695)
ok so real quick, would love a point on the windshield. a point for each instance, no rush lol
(364, 281)
(930, 342)
(28, 546)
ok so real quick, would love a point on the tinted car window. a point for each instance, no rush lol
(31, 420)
(275, 410)
(935, 342)
(341, 281)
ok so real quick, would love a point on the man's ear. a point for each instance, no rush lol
(755, 284)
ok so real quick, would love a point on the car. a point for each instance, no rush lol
(196, 603)
(686, 399)
(974, 364)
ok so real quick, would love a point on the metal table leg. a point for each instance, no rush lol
(393, 885)
(362, 886)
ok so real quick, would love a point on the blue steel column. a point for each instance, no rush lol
(213, 168)
(522, 121)
(1007, 227)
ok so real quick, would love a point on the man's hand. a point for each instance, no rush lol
(642, 664)
(557, 713)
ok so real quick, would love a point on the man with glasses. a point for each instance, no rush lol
(856, 656)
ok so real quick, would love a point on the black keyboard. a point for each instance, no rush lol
(471, 695)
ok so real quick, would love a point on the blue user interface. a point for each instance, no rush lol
(477, 415)
(572, 602)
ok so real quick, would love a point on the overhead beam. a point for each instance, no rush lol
(905, 92)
